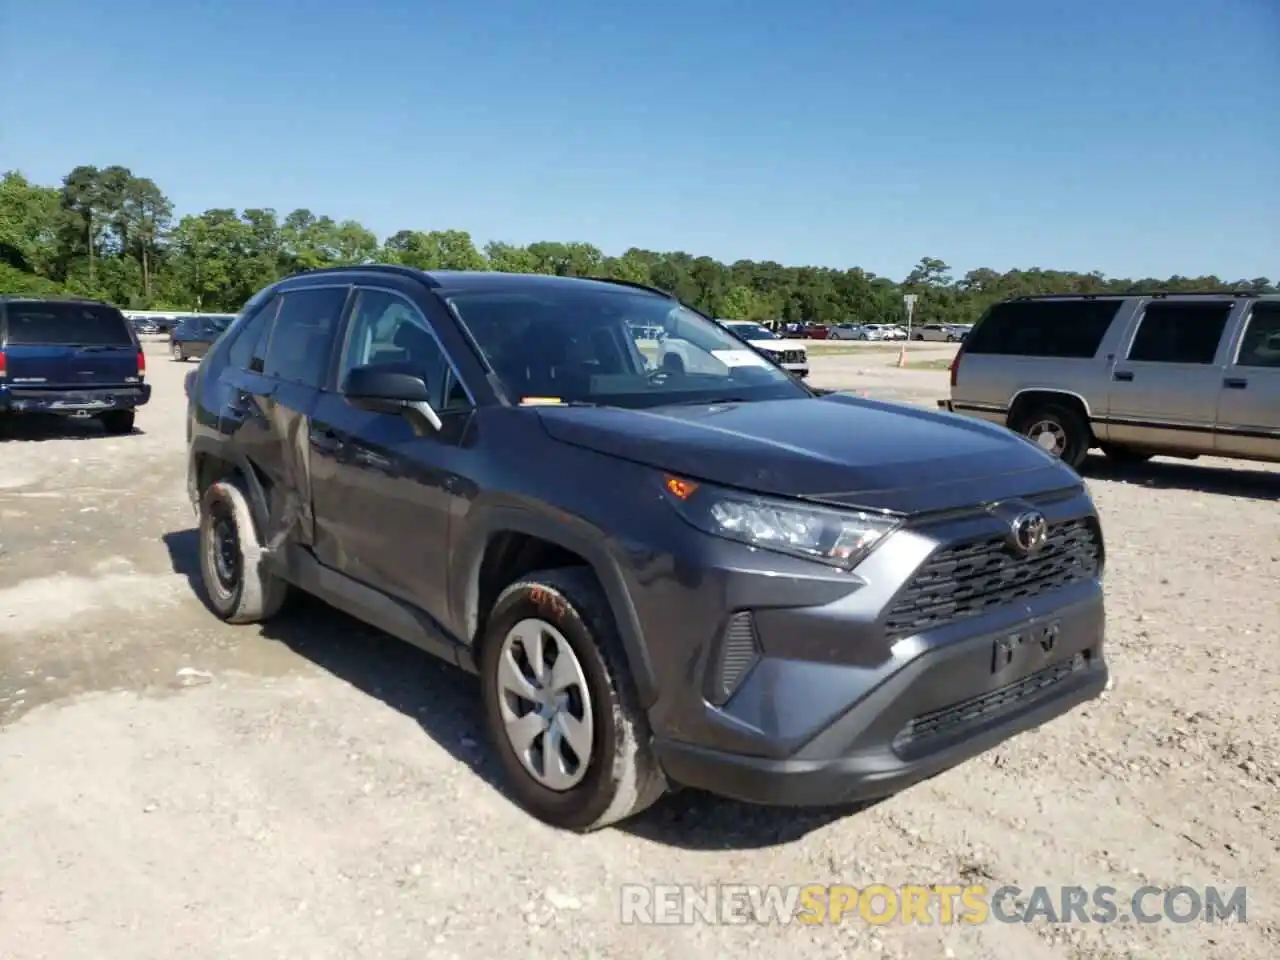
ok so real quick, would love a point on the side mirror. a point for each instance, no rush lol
(390, 388)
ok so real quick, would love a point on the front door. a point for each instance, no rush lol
(383, 492)
(1164, 392)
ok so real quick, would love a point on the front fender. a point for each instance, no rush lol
(572, 533)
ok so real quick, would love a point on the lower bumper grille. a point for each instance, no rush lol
(1020, 692)
(971, 578)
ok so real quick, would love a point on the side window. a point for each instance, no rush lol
(1180, 332)
(1261, 344)
(1066, 329)
(254, 331)
(303, 332)
(387, 328)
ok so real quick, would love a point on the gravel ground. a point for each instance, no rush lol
(172, 786)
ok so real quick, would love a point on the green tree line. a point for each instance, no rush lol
(107, 233)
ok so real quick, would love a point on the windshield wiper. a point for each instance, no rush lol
(706, 403)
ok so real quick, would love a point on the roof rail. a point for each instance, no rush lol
(59, 297)
(635, 285)
(1155, 294)
(396, 268)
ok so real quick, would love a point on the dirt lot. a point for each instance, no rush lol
(172, 787)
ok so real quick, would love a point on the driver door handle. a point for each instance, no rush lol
(1235, 383)
(1124, 374)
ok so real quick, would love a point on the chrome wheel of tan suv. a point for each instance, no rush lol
(1049, 436)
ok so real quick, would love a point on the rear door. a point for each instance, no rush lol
(69, 345)
(1164, 390)
(1036, 345)
(1249, 405)
(295, 366)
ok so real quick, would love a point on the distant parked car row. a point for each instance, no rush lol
(868, 331)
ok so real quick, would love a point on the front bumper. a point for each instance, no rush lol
(936, 713)
(852, 687)
(73, 401)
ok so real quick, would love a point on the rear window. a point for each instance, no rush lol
(66, 324)
(1069, 329)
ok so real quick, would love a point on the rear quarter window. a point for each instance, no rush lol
(66, 324)
(1066, 329)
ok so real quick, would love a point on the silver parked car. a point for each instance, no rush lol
(946, 332)
(846, 331)
(1183, 375)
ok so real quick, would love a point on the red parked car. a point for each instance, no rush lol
(814, 331)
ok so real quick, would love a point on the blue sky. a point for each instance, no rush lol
(1138, 137)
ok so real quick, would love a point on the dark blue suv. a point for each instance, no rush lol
(70, 358)
(670, 562)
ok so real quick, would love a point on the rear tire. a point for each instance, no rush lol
(178, 353)
(566, 610)
(236, 586)
(118, 422)
(1057, 430)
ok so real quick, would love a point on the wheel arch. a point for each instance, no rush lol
(509, 542)
(211, 462)
(1030, 397)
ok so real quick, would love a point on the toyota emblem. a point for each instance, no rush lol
(1029, 531)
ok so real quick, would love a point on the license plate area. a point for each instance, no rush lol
(79, 405)
(1029, 647)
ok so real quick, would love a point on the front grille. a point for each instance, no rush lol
(793, 356)
(971, 578)
(960, 715)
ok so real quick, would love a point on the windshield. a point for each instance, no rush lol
(752, 331)
(67, 324)
(613, 347)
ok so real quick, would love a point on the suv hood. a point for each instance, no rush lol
(837, 448)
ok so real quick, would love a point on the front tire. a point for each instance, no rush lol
(1057, 430)
(237, 587)
(554, 676)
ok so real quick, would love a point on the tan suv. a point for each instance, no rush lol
(1182, 375)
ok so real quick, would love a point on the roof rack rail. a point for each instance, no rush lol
(396, 268)
(635, 285)
(1156, 294)
(61, 297)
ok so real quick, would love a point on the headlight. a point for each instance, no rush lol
(837, 537)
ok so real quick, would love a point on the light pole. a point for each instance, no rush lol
(909, 300)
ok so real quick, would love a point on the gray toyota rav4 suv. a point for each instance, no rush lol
(716, 579)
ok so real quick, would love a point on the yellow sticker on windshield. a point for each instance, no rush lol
(539, 401)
